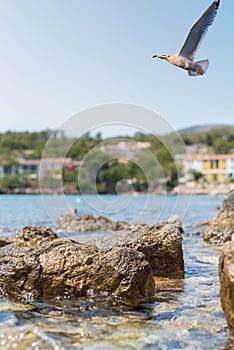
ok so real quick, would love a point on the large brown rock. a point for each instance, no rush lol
(221, 227)
(36, 264)
(226, 275)
(66, 268)
(160, 243)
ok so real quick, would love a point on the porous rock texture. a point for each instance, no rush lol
(62, 267)
(161, 244)
(31, 236)
(36, 264)
(226, 275)
(220, 229)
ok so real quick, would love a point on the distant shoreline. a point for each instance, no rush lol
(185, 189)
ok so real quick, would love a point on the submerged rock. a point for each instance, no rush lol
(81, 223)
(226, 275)
(63, 267)
(160, 243)
(221, 227)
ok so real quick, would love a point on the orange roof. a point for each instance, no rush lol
(48, 160)
(213, 157)
(29, 162)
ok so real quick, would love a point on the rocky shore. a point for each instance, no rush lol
(161, 244)
(203, 188)
(35, 264)
(226, 275)
(124, 266)
(69, 223)
(220, 229)
(199, 188)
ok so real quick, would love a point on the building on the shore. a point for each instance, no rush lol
(127, 149)
(215, 167)
(8, 169)
(35, 168)
(52, 167)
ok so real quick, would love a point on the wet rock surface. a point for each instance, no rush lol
(36, 264)
(68, 223)
(186, 314)
(221, 227)
(63, 267)
(226, 275)
(160, 243)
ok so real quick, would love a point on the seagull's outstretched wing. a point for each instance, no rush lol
(198, 31)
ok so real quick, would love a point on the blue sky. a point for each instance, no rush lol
(58, 57)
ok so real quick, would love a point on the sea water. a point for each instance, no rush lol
(186, 313)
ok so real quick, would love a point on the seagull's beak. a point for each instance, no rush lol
(162, 57)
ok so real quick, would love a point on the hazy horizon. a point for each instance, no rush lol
(131, 131)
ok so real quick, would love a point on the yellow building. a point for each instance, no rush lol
(216, 167)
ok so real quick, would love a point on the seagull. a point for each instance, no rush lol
(185, 58)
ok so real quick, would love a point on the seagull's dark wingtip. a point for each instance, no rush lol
(217, 2)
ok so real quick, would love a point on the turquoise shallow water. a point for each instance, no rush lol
(186, 313)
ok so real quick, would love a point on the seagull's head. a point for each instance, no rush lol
(162, 57)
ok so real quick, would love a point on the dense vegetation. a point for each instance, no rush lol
(107, 174)
(221, 140)
(14, 143)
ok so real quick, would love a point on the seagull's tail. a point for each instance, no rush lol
(200, 67)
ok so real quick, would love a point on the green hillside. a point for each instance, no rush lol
(30, 146)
